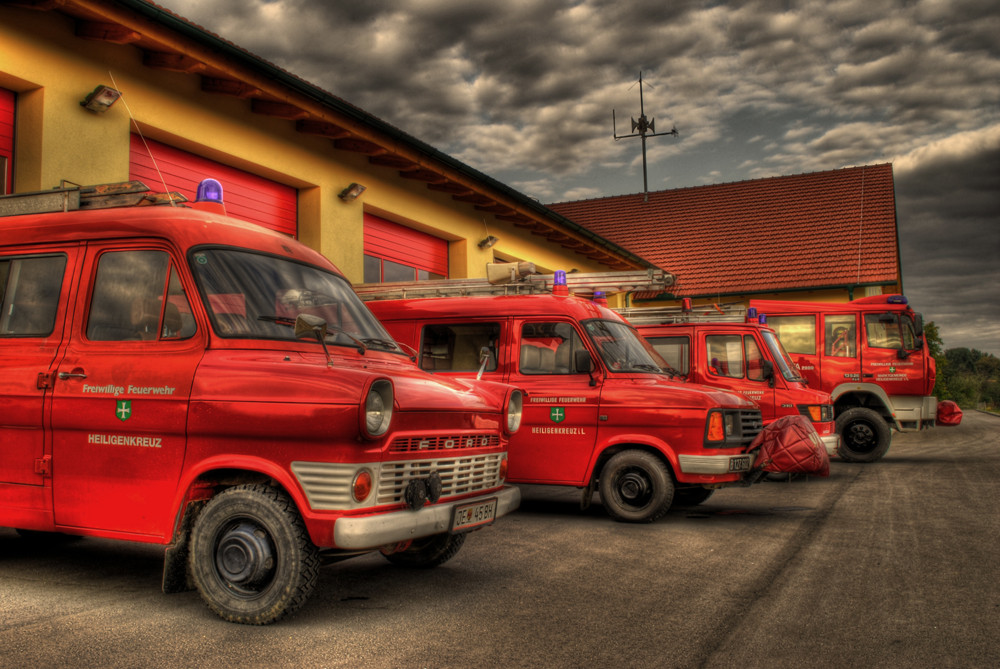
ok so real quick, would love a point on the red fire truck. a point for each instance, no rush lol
(176, 377)
(599, 413)
(746, 358)
(870, 355)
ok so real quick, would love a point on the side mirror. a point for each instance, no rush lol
(918, 324)
(583, 363)
(768, 368)
(308, 325)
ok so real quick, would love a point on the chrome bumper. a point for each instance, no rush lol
(714, 464)
(389, 528)
(831, 442)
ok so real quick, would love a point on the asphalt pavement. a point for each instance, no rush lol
(891, 564)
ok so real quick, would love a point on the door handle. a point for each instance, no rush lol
(72, 375)
(868, 376)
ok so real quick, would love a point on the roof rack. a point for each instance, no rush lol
(730, 312)
(518, 283)
(74, 197)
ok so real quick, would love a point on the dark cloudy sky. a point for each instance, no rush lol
(523, 90)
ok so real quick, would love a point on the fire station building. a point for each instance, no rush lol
(100, 91)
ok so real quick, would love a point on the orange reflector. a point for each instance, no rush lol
(503, 470)
(716, 432)
(362, 485)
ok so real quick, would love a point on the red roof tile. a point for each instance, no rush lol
(822, 229)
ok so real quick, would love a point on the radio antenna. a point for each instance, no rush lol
(641, 128)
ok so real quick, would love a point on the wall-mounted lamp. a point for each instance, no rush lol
(488, 242)
(352, 192)
(100, 99)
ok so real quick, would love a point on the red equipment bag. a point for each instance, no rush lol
(791, 445)
(948, 413)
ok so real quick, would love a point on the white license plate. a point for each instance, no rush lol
(740, 463)
(468, 516)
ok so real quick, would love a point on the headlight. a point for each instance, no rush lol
(378, 408)
(817, 413)
(514, 407)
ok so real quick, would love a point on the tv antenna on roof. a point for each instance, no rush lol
(641, 128)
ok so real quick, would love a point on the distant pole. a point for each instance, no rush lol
(645, 128)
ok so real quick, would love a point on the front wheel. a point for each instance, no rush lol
(251, 557)
(636, 487)
(428, 552)
(864, 435)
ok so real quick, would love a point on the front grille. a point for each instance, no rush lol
(459, 476)
(750, 425)
(464, 441)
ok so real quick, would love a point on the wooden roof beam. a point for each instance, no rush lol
(231, 87)
(282, 110)
(107, 32)
(172, 62)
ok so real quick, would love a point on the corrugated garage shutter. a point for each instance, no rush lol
(248, 196)
(406, 246)
(6, 140)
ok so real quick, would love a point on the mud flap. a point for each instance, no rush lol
(791, 445)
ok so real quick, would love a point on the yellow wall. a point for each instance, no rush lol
(51, 70)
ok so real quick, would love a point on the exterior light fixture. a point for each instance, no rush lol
(352, 192)
(100, 99)
(488, 242)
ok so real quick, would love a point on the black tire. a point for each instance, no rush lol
(864, 435)
(691, 496)
(636, 487)
(250, 557)
(428, 552)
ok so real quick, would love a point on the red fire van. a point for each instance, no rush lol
(176, 377)
(599, 412)
(746, 358)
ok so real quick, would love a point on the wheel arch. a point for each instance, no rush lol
(654, 447)
(867, 395)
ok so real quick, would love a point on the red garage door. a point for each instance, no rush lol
(395, 252)
(6, 141)
(248, 196)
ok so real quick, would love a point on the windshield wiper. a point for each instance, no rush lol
(387, 344)
(332, 331)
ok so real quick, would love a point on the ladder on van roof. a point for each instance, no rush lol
(506, 279)
(74, 197)
(727, 312)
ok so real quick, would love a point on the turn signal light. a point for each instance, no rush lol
(716, 430)
(503, 470)
(362, 486)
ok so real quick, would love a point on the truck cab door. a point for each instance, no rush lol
(35, 289)
(559, 424)
(891, 353)
(121, 391)
(736, 362)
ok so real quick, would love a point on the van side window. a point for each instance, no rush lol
(458, 347)
(128, 302)
(797, 333)
(29, 288)
(548, 348)
(675, 350)
(725, 355)
(755, 360)
(886, 331)
(840, 336)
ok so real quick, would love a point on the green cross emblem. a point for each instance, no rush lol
(124, 410)
(892, 370)
(557, 414)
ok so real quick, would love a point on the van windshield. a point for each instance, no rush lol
(622, 349)
(781, 358)
(258, 296)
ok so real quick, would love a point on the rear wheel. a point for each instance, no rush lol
(636, 487)
(428, 552)
(864, 435)
(251, 557)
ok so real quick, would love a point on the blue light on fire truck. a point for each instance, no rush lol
(896, 299)
(752, 315)
(559, 286)
(209, 190)
(762, 319)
